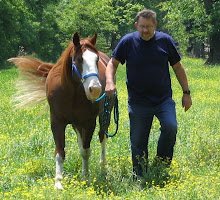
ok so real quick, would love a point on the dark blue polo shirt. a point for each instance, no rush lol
(147, 66)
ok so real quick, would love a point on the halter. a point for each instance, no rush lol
(106, 108)
(82, 78)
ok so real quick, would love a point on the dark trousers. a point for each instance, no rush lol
(141, 117)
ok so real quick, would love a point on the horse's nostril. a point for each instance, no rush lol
(93, 92)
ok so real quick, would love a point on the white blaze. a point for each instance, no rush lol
(91, 85)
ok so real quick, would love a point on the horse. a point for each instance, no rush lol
(71, 87)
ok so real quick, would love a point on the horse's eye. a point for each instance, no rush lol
(80, 60)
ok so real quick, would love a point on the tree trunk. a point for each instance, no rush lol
(114, 41)
(214, 37)
(214, 54)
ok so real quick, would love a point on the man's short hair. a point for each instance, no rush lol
(146, 13)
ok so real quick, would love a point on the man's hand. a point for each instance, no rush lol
(186, 101)
(110, 89)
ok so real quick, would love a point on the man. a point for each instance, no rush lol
(147, 54)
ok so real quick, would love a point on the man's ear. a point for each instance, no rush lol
(136, 24)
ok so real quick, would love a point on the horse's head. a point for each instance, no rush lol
(85, 65)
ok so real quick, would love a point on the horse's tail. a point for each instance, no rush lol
(31, 88)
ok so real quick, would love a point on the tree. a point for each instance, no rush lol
(195, 24)
(86, 17)
(29, 25)
(212, 8)
(43, 26)
(187, 21)
(9, 27)
(111, 18)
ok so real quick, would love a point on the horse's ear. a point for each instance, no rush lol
(93, 39)
(76, 39)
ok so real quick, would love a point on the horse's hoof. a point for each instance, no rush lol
(58, 185)
(86, 179)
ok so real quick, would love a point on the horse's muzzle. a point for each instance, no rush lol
(94, 92)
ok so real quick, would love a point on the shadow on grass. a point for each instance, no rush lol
(109, 181)
(116, 181)
(157, 176)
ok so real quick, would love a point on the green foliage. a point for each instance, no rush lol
(28, 25)
(215, 17)
(27, 165)
(47, 46)
(213, 10)
(9, 26)
(187, 22)
(111, 19)
(43, 28)
(84, 17)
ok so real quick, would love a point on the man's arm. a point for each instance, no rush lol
(111, 68)
(181, 77)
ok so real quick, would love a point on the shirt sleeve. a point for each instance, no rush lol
(120, 51)
(174, 55)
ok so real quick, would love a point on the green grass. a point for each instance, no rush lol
(27, 165)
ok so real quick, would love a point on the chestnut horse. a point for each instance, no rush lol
(71, 87)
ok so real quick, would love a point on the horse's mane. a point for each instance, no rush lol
(63, 66)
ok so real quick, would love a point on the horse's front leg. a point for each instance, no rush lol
(58, 130)
(59, 171)
(84, 137)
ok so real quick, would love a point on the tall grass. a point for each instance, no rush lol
(27, 166)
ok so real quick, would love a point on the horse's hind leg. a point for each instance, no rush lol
(58, 130)
(102, 139)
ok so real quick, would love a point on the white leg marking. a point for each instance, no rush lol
(85, 153)
(103, 151)
(59, 171)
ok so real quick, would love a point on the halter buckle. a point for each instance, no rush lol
(83, 80)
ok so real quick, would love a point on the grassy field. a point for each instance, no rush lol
(27, 165)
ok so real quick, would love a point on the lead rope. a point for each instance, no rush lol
(107, 113)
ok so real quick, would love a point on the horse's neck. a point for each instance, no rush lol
(104, 63)
(104, 59)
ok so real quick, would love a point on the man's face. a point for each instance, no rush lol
(146, 27)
